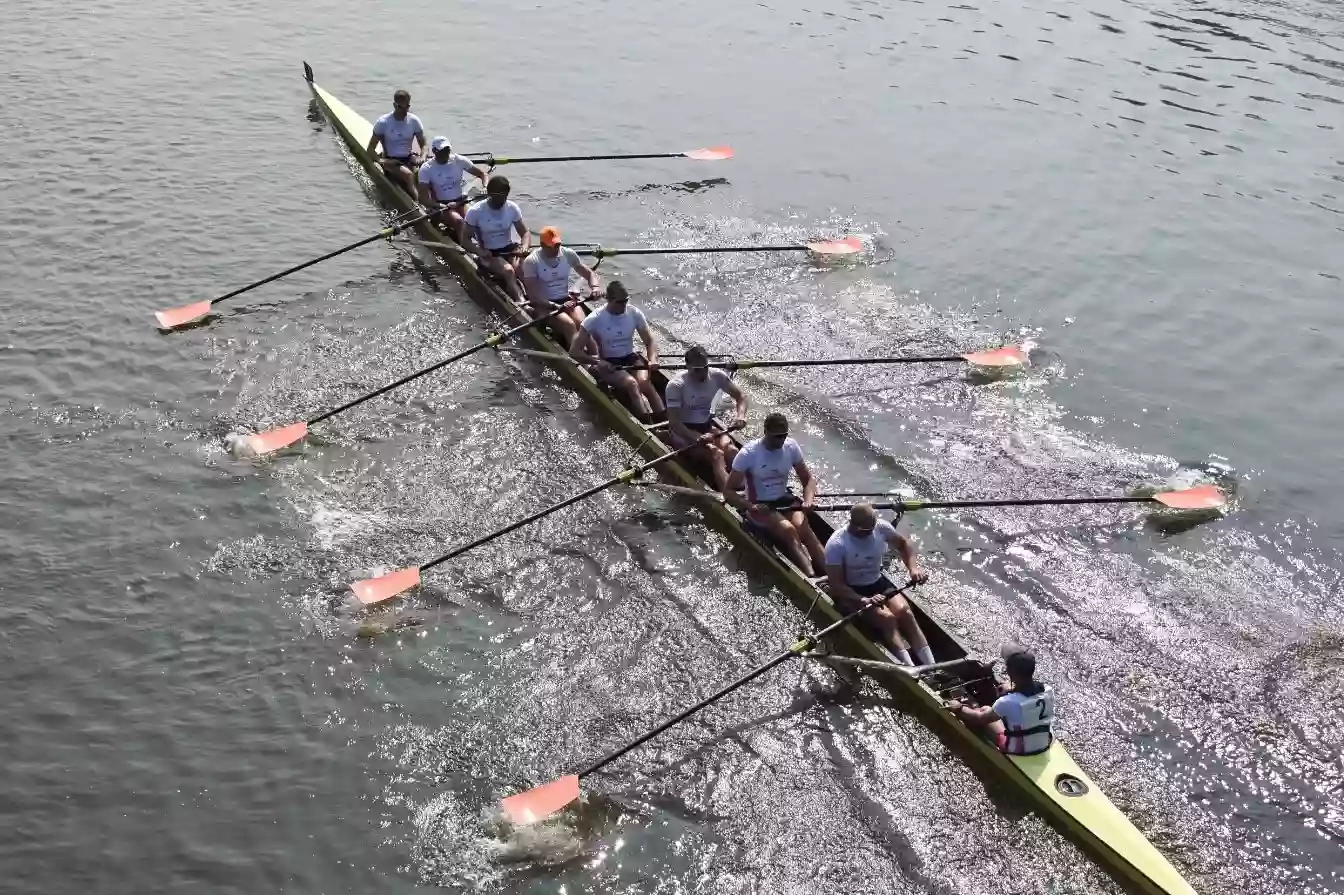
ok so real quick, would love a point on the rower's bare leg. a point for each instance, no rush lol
(628, 388)
(650, 392)
(406, 177)
(900, 609)
(560, 323)
(718, 464)
(787, 537)
(729, 448)
(809, 538)
(885, 621)
(503, 271)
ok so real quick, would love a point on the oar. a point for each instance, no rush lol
(377, 590)
(275, 439)
(1007, 356)
(175, 317)
(1200, 497)
(847, 246)
(711, 154)
(543, 801)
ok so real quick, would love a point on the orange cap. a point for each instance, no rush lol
(550, 236)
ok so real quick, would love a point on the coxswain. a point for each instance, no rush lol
(606, 342)
(690, 400)
(854, 558)
(492, 226)
(1022, 719)
(762, 467)
(546, 273)
(399, 131)
(440, 181)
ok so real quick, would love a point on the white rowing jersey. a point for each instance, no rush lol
(552, 273)
(495, 226)
(696, 399)
(861, 558)
(398, 136)
(767, 471)
(1027, 719)
(615, 333)
(445, 180)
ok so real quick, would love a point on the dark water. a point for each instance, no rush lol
(1154, 195)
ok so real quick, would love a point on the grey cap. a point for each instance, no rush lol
(1019, 660)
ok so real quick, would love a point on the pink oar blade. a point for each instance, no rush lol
(1008, 356)
(275, 439)
(379, 590)
(175, 317)
(847, 246)
(712, 154)
(1201, 497)
(540, 803)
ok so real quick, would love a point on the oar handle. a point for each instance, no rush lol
(495, 340)
(386, 233)
(910, 505)
(802, 645)
(628, 474)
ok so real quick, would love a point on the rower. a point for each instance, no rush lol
(440, 181)
(606, 342)
(546, 275)
(763, 467)
(1022, 719)
(854, 557)
(491, 225)
(398, 131)
(690, 412)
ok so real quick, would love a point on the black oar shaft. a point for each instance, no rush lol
(826, 362)
(909, 505)
(486, 158)
(625, 475)
(385, 233)
(600, 252)
(497, 339)
(803, 645)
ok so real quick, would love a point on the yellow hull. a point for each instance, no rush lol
(1052, 781)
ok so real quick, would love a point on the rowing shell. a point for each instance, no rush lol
(1052, 781)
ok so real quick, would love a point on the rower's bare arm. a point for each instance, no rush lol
(426, 195)
(838, 587)
(906, 551)
(736, 481)
(650, 344)
(526, 234)
(471, 240)
(739, 402)
(979, 715)
(535, 293)
(478, 173)
(809, 482)
(588, 274)
(580, 350)
(678, 427)
(419, 137)
(372, 148)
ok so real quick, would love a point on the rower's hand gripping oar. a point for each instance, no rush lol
(172, 318)
(275, 439)
(1200, 497)
(540, 803)
(1007, 356)
(378, 590)
(710, 154)
(847, 246)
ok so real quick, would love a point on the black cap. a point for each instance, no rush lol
(1019, 660)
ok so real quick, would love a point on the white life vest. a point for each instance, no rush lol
(1028, 719)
